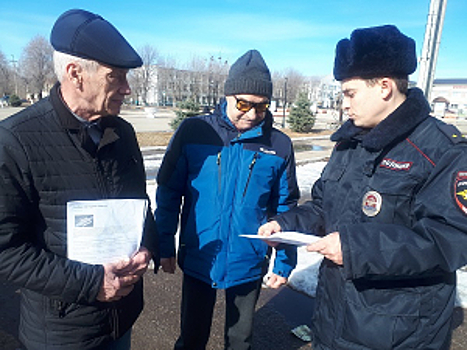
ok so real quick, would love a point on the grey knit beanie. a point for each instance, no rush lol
(249, 75)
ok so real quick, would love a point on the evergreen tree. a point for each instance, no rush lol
(301, 118)
(187, 108)
(15, 101)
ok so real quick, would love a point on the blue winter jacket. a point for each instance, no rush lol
(225, 184)
(397, 194)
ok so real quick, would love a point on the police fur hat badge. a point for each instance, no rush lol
(375, 52)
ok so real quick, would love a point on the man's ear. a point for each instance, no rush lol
(74, 73)
(387, 86)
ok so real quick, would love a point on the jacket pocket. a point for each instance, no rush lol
(380, 319)
(397, 192)
(61, 309)
(250, 172)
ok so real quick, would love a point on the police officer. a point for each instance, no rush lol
(390, 206)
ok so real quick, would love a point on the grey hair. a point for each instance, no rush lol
(61, 60)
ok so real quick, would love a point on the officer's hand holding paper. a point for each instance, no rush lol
(105, 231)
(287, 237)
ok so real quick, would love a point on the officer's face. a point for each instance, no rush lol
(104, 90)
(363, 102)
(242, 117)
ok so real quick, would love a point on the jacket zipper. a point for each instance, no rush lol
(61, 309)
(103, 180)
(219, 172)
(116, 330)
(250, 167)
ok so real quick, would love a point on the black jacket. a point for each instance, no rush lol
(45, 163)
(397, 196)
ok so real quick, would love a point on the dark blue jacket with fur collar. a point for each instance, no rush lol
(397, 194)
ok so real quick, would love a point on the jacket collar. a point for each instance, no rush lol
(70, 122)
(67, 119)
(399, 123)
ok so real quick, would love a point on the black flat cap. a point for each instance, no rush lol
(375, 52)
(87, 35)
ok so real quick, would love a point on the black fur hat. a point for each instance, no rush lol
(375, 52)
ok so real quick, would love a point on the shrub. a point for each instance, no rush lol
(301, 118)
(15, 101)
(188, 108)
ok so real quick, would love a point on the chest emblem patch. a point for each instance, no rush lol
(371, 204)
(460, 190)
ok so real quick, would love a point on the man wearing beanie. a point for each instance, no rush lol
(391, 207)
(72, 146)
(229, 172)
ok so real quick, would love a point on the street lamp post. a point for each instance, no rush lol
(431, 45)
(285, 103)
(14, 73)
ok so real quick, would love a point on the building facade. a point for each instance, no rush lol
(449, 98)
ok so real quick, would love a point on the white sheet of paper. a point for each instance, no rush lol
(287, 237)
(105, 231)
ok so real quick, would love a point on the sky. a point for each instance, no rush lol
(297, 34)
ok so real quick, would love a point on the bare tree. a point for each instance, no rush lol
(287, 85)
(295, 83)
(197, 64)
(197, 67)
(217, 72)
(162, 79)
(144, 78)
(5, 76)
(168, 82)
(164, 85)
(36, 65)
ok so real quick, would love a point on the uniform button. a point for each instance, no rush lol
(214, 284)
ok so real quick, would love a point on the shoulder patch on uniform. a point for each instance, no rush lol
(453, 133)
(460, 190)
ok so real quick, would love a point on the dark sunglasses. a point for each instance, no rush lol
(245, 106)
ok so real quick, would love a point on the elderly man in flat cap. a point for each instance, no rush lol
(69, 147)
(390, 205)
(231, 170)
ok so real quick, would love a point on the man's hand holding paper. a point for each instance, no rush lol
(268, 229)
(329, 246)
(120, 277)
(108, 233)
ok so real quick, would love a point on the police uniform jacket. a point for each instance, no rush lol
(45, 162)
(397, 194)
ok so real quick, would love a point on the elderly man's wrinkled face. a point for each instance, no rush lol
(246, 111)
(104, 90)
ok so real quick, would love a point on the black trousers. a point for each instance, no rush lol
(198, 300)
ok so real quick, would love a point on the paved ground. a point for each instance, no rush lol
(278, 312)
